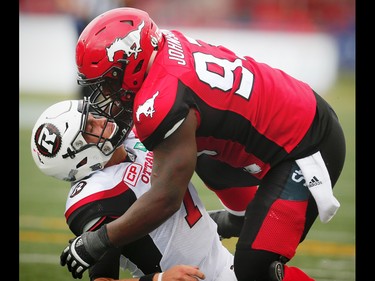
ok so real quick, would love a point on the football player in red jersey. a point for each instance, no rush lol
(269, 146)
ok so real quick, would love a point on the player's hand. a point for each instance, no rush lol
(175, 273)
(84, 251)
(76, 258)
(183, 273)
(228, 225)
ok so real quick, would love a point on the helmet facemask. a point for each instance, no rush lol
(105, 144)
(110, 100)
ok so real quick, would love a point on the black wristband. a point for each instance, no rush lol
(103, 235)
(147, 277)
(96, 243)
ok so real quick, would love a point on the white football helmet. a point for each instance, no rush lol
(58, 147)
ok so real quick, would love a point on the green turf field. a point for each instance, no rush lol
(327, 254)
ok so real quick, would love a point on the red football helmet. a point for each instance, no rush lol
(112, 55)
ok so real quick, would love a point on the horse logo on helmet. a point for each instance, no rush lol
(130, 44)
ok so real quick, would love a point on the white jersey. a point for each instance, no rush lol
(188, 237)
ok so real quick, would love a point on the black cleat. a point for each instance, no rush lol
(276, 271)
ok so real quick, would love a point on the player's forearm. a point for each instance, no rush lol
(169, 183)
(175, 273)
(146, 214)
(173, 166)
(154, 278)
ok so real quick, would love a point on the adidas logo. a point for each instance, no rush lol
(314, 181)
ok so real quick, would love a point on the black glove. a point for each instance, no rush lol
(84, 251)
(228, 225)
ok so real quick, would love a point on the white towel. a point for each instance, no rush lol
(318, 181)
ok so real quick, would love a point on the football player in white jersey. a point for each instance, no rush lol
(69, 142)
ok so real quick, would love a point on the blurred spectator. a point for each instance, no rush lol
(82, 12)
(36, 6)
(303, 15)
(334, 17)
(187, 13)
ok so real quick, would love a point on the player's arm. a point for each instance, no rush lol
(173, 166)
(175, 273)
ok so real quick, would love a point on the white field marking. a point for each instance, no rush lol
(330, 274)
(332, 235)
(39, 258)
(335, 264)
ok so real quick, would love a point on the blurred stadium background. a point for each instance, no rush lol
(313, 40)
(310, 39)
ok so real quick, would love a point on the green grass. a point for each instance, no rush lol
(327, 254)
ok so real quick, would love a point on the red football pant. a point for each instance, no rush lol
(295, 274)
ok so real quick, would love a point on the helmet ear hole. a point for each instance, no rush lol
(130, 22)
(82, 163)
(138, 67)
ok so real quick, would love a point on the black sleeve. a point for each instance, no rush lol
(107, 209)
(221, 175)
(143, 252)
(228, 225)
(108, 266)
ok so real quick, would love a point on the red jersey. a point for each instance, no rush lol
(251, 115)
